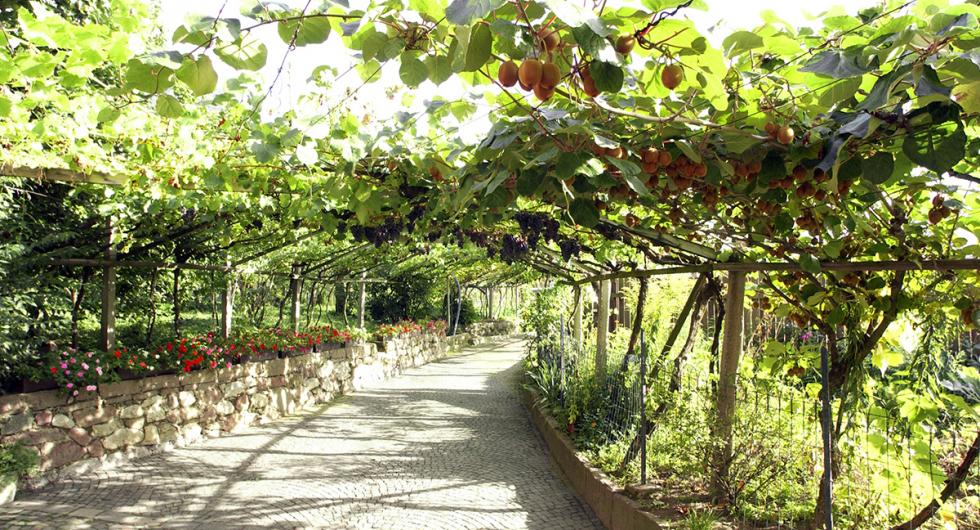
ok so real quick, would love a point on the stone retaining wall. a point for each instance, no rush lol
(132, 418)
(488, 328)
(608, 501)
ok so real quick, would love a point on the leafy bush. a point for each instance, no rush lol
(405, 296)
(17, 460)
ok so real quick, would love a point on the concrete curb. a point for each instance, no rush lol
(611, 506)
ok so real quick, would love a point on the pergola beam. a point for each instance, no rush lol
(853, 266)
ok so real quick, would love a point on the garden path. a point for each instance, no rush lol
(444, 446)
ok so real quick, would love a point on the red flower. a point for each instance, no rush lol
(117, 354)
(170, 346)
(54, 370)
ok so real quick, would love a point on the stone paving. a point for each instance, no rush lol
(444, 446)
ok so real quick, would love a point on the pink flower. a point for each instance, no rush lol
(72, 360)
(70, 385)
(75, 393)
(64, 366)
(228, 364)
(91, 388)
(89, 354)
(85, 366)
(80, 374)
(98, 369)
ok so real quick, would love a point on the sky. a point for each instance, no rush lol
(380, 101)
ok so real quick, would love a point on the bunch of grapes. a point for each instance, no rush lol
(513, 248)
(534, 225)
(569, 248)
(413, 216)
(386, 232)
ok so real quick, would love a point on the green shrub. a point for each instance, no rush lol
(17, 460)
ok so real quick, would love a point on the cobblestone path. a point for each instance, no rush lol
(444, 446)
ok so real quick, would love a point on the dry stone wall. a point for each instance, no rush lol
(132, 418)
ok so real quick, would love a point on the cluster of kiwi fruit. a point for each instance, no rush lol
(939, 210)
(541, 77)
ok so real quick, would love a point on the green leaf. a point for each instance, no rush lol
(688, 151)
(108, 114)
(529, 181)
(463, 12)
(584, 212)
(198, 75)
(440, 68)
(168, 106)
(968, 96)
(589, 41)
(147, 78)
(412, 71)
(839, 91)
(5, 106)
(939, 147)
(837, 64)
(608, 77)
(308, 30)
(741, 42)
(809, 263)
(878, 168)
(246, 53)
(574, 15)
(479, 48)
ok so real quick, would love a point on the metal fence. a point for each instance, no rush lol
(892, 458)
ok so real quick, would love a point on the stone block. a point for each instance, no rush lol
(17, 423)
(130, 412)
(136, 423)
(191, 432)
(91, 416)
(186, 398)
(121, 388)
(95, 449)
(260, 401)
(167, 432)
(223, 408)
(173, 401)
(62, 421)
(121, 438)
(63, 454)
(151, 435)
(233, 389)
(44, 435)
(242, 402)
(101, 430)
(43, 418)
(209, 395)
(80, 436)
(190, 413)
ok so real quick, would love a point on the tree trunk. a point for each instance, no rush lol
(725, 402)
(953, 483)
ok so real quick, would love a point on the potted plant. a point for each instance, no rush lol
(15, 461)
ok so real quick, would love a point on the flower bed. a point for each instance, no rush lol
(76, 372)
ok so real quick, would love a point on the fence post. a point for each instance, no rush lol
(561, 360)
(295, 284)
(361, 301)
(227, 302)
(579, 303)
(602, 332)
(108, 330)
(643, 407)
(827, 484)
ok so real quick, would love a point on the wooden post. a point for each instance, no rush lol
(361, 300)
(107, 338)
(731, 349)
(577, 322)
(602, 332)
(490, 302)
(294, 291)
(227, 302)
